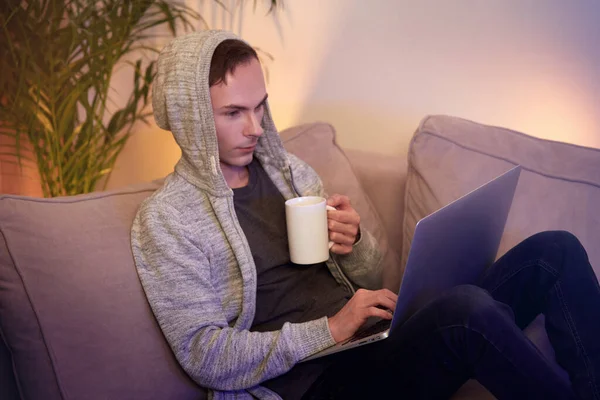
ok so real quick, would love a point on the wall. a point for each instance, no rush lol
(375, 68)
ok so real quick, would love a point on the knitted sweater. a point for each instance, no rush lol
(191, 254)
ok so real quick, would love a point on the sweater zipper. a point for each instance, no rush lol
(293, 185)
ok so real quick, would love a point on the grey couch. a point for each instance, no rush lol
(74, 321)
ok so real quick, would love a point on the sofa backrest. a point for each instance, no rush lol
(559, 186)
(73, 315)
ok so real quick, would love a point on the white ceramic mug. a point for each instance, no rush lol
(308, 235)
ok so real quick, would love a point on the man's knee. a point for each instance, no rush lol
(564, 239)
(560, 243)
(568, 242)
(469, 306)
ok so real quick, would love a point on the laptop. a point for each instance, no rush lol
(450, 247)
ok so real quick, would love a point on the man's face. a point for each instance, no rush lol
(238, 109)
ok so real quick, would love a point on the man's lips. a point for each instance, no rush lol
(251, 147)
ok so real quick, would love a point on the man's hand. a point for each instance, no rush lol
(342, 223)
(364, 304)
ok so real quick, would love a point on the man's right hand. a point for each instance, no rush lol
(364, 304)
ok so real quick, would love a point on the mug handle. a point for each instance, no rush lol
(328, 209)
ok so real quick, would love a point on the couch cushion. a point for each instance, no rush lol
(72, 310)
(315, 144)
(559, 187)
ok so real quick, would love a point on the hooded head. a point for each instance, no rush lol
(215, 107)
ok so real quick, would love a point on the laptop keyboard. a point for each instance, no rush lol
(380, 326)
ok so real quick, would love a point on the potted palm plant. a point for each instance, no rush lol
(57, 58)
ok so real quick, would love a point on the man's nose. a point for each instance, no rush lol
(253, 125)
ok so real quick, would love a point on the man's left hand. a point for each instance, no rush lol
(343, 224)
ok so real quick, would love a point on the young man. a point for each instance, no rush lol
(211, 251)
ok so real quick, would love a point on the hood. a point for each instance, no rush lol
(181, 104)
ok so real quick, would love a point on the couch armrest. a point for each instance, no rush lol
(383, 177)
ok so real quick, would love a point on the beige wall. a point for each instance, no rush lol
(375, 68)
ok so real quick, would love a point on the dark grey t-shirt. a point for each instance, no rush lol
(286, 292)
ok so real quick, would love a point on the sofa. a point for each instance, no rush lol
(75, 323)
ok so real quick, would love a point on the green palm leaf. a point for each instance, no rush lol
(57, 58)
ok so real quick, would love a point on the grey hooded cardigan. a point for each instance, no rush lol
(191, 254)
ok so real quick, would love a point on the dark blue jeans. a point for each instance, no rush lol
(476, 332)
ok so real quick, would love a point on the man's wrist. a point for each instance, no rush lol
(332, 328)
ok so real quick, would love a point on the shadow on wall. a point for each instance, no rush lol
(363, 127)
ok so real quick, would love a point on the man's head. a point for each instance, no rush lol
(238, 95)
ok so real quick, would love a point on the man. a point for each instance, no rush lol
(211, 252)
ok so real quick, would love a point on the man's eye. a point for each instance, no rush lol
(232, 114)
(259, 108)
